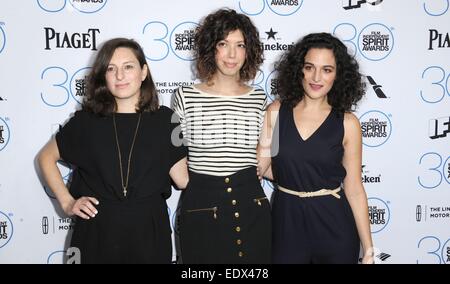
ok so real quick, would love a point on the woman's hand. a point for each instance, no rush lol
(368, 259)
(82, 207)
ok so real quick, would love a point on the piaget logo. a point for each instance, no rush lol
(438, 39)
(55, 39)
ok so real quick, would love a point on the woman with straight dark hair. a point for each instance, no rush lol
(225, 215)
(120, 144)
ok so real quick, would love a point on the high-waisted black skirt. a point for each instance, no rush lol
(225, 219)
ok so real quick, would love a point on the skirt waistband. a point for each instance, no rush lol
(241, 177)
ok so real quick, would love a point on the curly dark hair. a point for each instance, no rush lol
(348, 87)
(214, 28)
(99, 99)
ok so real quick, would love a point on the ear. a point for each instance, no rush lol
(145, 72)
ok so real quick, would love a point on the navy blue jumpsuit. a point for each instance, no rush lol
(317, 229)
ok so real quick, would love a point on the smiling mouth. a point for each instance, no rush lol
(315, 87)
(230, 65)
(121, 86)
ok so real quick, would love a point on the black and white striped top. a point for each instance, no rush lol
(222, 132)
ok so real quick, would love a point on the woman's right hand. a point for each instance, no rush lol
(82, 207)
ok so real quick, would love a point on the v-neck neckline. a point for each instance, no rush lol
(315, 131)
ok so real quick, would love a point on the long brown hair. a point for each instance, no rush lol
(99, 99)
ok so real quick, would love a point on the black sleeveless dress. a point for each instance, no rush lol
(315, 229)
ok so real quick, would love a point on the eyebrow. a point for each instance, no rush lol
(126, 62)
(240, 41)
(328, 66)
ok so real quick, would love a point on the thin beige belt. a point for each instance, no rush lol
(321, 192)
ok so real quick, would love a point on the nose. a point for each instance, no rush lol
(119, 73)
(316, 75)
(232, 52)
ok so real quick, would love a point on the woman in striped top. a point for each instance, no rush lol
(225, 215)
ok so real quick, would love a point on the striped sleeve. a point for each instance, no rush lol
(178, 108)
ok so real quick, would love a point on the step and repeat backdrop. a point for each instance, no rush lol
(403, 46)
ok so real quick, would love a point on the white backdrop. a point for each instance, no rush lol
(403, 46)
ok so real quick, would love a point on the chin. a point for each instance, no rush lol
(123, 96)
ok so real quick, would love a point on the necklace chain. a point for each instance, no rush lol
(125, 185)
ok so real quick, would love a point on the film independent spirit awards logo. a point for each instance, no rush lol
(376, 128)
(2, 37)
(83, 6)
(6, 229)
(379, 214)
(376, 41)
(4, 134)
(182, 40)
(78, 84)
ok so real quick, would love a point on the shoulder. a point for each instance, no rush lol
(189, 89)
(83, 116)
(164, 111)
(82, 113)
(351, 121)
(79, 122)
(257, 96)
(198, 86)
(89, 115)
(185, 90)
(167, 115)
(258, 92)
(352, 127)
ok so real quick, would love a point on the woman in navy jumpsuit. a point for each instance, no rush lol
(313, 143)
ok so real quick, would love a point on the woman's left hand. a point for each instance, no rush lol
(368, 259)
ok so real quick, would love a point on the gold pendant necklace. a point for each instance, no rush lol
(125, 185)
